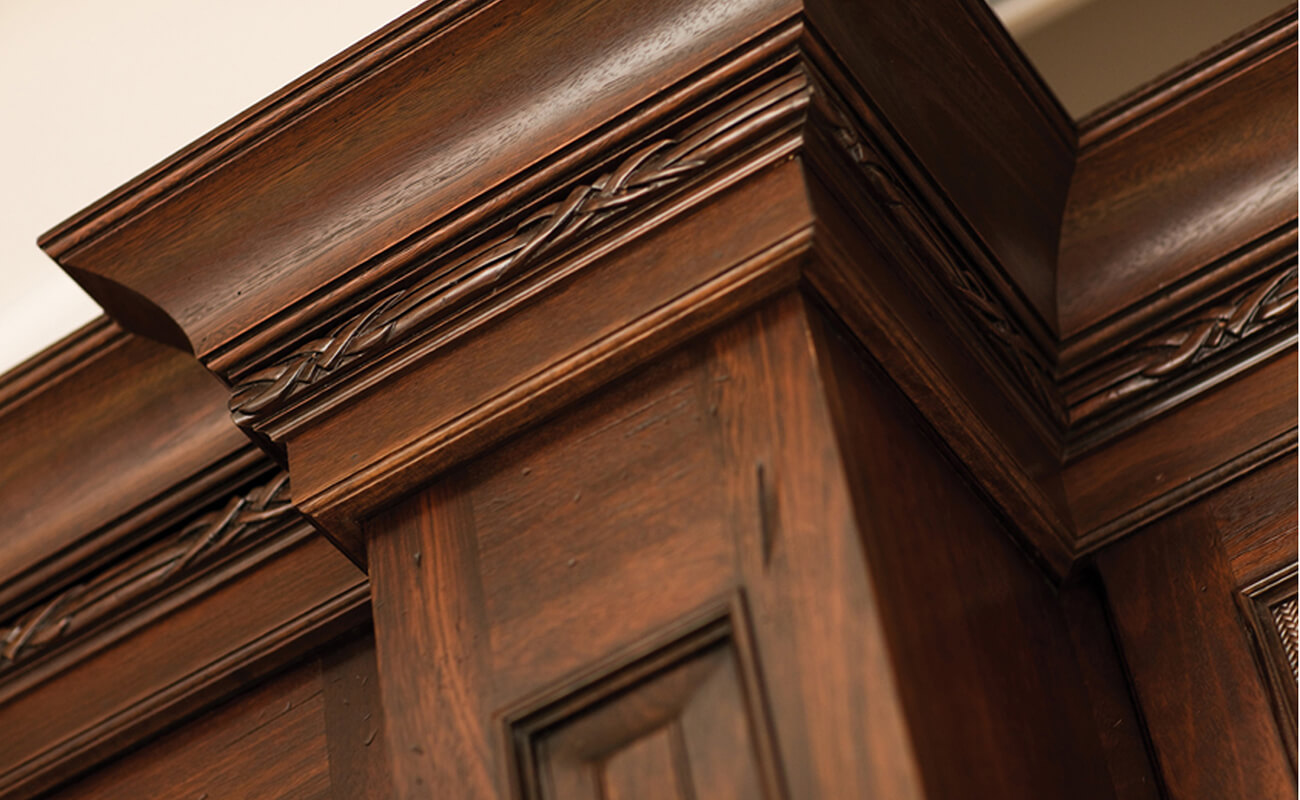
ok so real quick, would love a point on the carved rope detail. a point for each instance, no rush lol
(1285, 616)
(992, 319)
(642, 177)
(196, 543)
(1172, 353)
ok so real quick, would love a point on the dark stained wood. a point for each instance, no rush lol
(123, 434)
(674, 724)
(354, 720)
(968, 84)
(552, 588)
(359, 171)
(88, 703)
(989, 717)
(268, 743)
(1180, 456)
(346, 161)
(1257, 518)
(387, 303)
(1192, 663)
(868, 274)
(645, 508)
(616, 311)
(732, 398)
(1120, 725)
(1207, 170)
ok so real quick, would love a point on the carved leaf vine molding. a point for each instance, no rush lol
(194, 545)
(984, 307)
(642, 177)
(1170, 354)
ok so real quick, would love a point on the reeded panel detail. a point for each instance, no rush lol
(1284, 616)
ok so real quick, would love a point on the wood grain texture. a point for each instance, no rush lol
(1192, 663)
(1258, 318)
(357, 173)
(105, 444)
(164, 566)
(1257, 518)
(643, 176)
(988, 716)
(345, 260)
(582, 542)
(1206, 172)
(94, 699)
(354, 720)
(1178, 457)
(674, 723)
(269, 742)
(616, 309)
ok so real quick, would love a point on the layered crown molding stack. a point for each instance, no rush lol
(457, 227)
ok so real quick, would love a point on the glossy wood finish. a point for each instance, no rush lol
(1186, 643)
(957, 598)
(347, 162)
(1177, 457)
(729, 399)
(402, 256)
(139, 439)
(269, 743)
(151, 562)
(1181, 177)
(700, 590)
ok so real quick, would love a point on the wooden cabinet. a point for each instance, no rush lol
(739, 399)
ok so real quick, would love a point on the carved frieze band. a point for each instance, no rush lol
(645, 176)
(197, 543)
(1248, 315)
(985, 309)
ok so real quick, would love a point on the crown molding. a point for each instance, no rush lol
(165, 565)
(411, 254)
(582, 209)
(1174, 180)
(175, 558)
(391, 268)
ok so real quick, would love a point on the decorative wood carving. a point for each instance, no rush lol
(999, 326)
(1286, 618)
(158, 568)
(1270, 606)
(151, 563)
(1262, 312)
(359, 288)
(476, 279)
(1175, 179)
(642, 178)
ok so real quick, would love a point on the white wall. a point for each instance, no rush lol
(93, 92)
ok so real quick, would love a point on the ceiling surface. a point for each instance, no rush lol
(95, 92)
